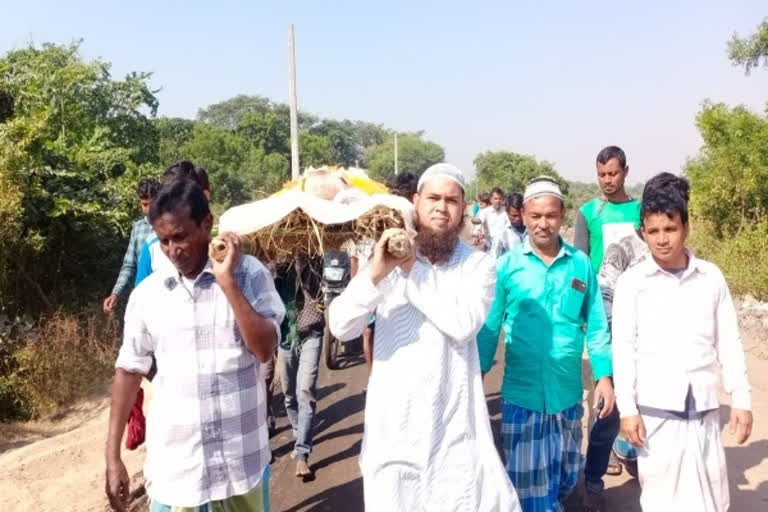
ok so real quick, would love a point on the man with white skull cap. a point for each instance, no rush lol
(546, 291)
(427, 443)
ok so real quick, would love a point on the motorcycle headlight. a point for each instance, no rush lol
(333, 274)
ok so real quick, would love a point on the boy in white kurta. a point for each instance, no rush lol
(427, 443)
(674, 331)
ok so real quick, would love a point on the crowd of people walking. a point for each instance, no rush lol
(658, 326)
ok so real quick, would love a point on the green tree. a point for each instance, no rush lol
(266, 130)
(729, 178)
(749, 51)
(73, 142)
(239, 171)
(511, 171)
(414, 155)
(229, 113)
(172, 134)
(345, 149)
(315, 150)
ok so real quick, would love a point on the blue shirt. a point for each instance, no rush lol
(543, 309)
(144, 268)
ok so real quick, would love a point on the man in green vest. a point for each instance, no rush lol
(599, 223)
(607, 219)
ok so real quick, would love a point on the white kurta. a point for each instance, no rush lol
(427, 443)
(495, 223)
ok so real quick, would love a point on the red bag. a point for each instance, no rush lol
(137, 424)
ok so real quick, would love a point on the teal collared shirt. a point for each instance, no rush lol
(543, 310)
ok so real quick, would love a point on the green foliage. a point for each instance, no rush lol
(267, 131)
(229, 113)
(239, 171)
(414, 155)
(749, 51)
(345, 149)
(511, 171)
(316, 150)
(71, 151)
(729, 179)
(743, 257)
(172, 134)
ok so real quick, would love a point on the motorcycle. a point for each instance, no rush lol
(336, 276)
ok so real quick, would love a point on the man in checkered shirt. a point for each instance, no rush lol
(209, 324)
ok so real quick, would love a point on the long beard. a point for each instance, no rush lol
(437, 246)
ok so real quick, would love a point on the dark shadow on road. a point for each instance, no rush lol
(740, 459)
(353, 430)
(352, 451)
(327, 391)
(346, 497)
(337, 411)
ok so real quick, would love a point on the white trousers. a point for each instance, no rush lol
(682, 465)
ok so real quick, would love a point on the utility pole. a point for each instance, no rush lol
(292, 104)
(395, 153)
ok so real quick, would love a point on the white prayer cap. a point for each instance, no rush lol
(443, 170)
(542, 186)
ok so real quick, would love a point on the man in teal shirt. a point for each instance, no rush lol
(546, 291)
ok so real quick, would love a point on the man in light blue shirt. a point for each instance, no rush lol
(546, 291)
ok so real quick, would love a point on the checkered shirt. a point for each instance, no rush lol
(139, 233)
(206, 429)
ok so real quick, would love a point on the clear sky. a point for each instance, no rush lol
(556, 79)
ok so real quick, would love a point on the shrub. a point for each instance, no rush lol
(743, 257)
(70, 358)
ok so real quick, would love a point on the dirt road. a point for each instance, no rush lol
(58, 465)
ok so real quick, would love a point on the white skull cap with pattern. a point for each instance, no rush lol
(443, 170)
(542, 186)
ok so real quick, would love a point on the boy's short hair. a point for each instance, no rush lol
(186, 170)
(665, 180)
(515, 201)
(403, 185)
(497, 191)
(668, 194)
(484, 197)
(147, 188)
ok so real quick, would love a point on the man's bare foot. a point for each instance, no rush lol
(303, 471)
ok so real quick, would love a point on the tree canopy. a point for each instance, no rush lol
(749, 51)
(511, 171)
(73, 143)
(729, 178)
(414, 155)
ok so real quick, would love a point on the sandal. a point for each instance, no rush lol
(615, 467)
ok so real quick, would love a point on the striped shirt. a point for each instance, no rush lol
(206, 430)
(139, 233)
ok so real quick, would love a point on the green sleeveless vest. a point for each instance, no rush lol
(608, 223)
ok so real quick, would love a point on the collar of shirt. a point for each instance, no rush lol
(172, 277)
(565, 250)
(650, 267)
